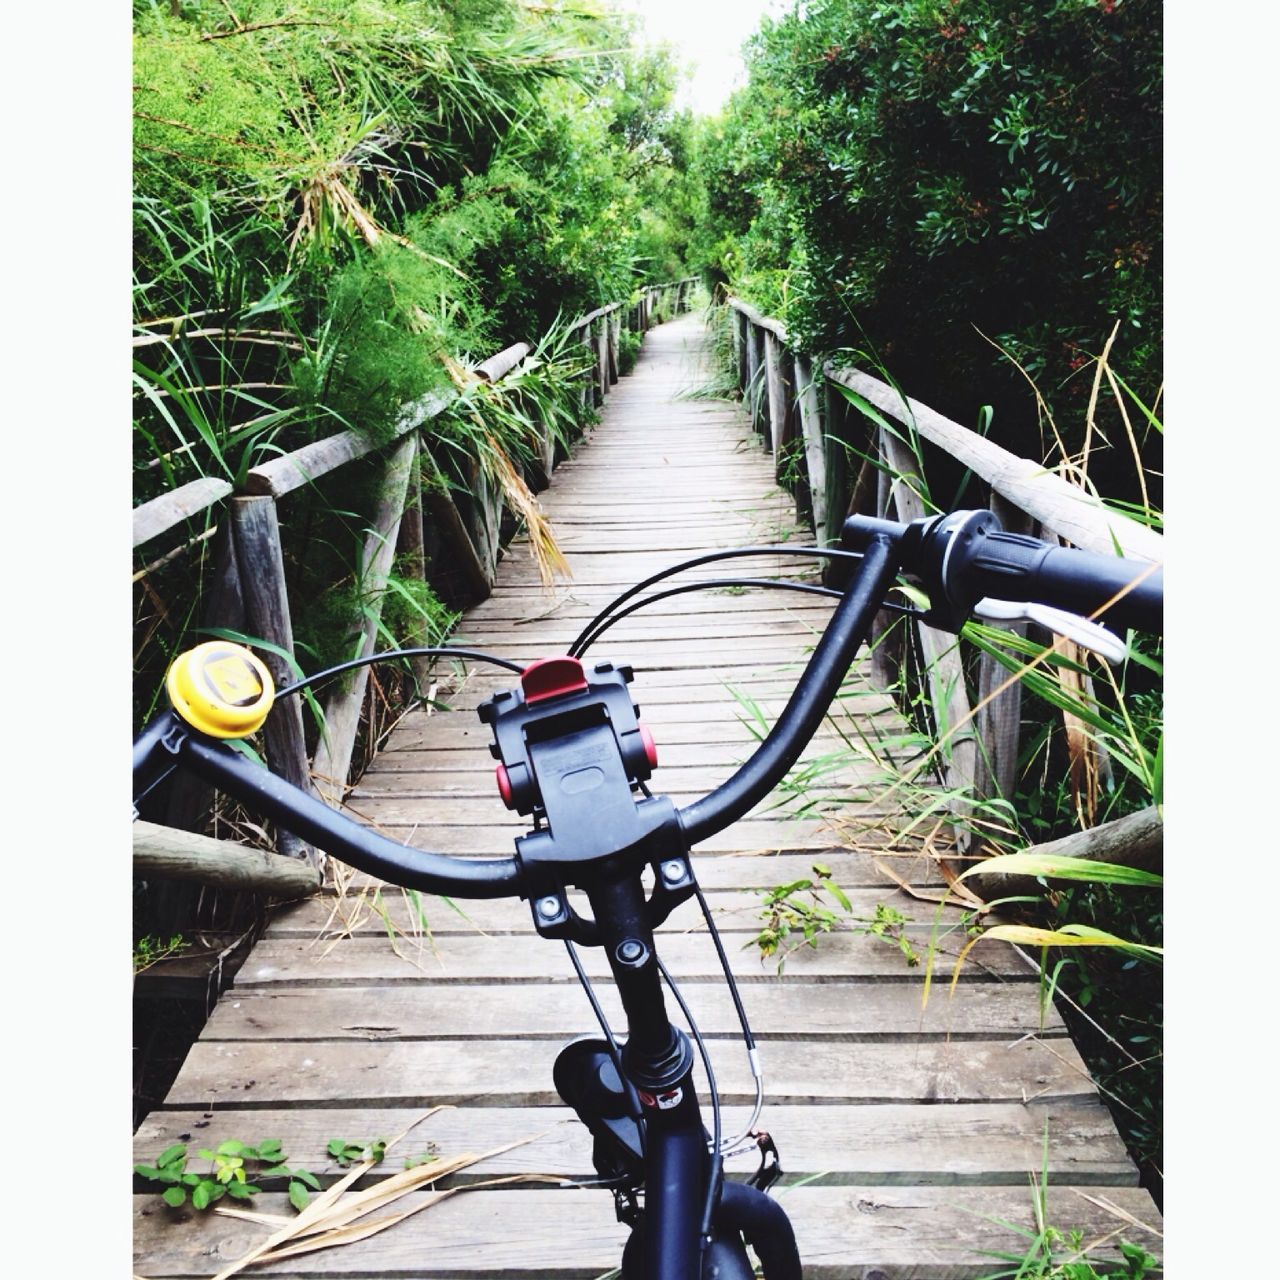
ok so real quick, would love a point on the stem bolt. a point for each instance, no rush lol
(549, 907)
(631, 951)
(673, 872)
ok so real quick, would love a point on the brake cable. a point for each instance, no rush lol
(733, 553)
(372, 658)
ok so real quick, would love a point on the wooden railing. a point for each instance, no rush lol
(249, 591)
(810, 428)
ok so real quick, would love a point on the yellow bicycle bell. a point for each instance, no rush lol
(221, 689)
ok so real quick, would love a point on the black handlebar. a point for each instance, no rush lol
(961, 558)
(966, 556)
(313, 820)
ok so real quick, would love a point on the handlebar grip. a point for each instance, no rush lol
(965, 556)
(1012, 566)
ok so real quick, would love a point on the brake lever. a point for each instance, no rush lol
(1084, 632)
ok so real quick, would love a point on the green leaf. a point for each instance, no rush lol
(201, 1196)
(309, 1178)
(171, 1155)
(298, 1196)
(1056, 867)
(175, 1197)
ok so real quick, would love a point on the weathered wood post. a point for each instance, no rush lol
(753, 392)
(815, 454)
(775, 398)
(262, 581)
(342, 708)
(940, 651)
(999, 720)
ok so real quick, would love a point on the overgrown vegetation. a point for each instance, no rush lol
(338, 208)
(965, 198)
(927, 178)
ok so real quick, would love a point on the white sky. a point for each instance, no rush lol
(708, 33)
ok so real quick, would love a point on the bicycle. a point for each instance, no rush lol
(575, 760)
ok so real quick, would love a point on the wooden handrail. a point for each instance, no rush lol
(253, 558)
(1060, 507)
(293, 470)
(784, 389)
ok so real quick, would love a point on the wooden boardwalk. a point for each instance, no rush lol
(911, 1130)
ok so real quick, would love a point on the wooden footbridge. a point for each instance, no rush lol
(911, 1135)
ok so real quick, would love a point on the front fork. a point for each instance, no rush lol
(670, 1142)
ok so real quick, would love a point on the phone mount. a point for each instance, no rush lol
(573, 755)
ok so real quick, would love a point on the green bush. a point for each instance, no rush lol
(908, 178)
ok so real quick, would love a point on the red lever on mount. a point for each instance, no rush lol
(550, 677)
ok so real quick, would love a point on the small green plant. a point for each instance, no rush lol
(628, 351)
(1054, 1254)
(228, 1174)
(151, 949)
(347, 1153)
(798, 913)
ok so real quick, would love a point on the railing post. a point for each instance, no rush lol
(999, 721)
(262, 582)
(753, 392)
(342, 708)
(776, 396)
(944, 670)
(814, 448)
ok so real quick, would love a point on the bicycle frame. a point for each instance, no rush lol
(573, 756)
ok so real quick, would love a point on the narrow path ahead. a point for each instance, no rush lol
(355, 1015)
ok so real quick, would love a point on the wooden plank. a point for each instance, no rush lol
(735, 911)
(736, 869)
(468, 958)
(846, 1233)
(987, 1144)
(514, 1072)
(850, 1012)
(183, 855)
(151, 519)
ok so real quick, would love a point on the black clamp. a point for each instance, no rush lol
(573, 754)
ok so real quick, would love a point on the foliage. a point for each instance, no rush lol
(348, 1153)
(338, 208)
(1053, 1254)
(799, 913)
(911, 177)
(151, 949)
(228, 1175)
